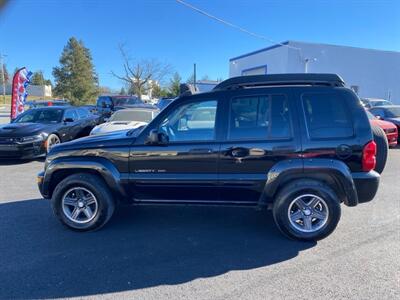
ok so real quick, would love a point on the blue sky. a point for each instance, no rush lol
(33, 33)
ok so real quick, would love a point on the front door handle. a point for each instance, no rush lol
(238, 152)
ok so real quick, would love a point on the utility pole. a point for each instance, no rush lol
(3, 78)
(194, 76)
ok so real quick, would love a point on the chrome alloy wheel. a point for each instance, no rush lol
(308, 213)
(79, 205)
(52, 140)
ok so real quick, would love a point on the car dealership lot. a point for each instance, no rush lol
(194, 252)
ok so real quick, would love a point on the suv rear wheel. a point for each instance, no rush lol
(306, 210)
(382, 147)
(83, 202)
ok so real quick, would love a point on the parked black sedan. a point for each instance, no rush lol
(34, 132)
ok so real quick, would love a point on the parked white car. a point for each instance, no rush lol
(126, 119)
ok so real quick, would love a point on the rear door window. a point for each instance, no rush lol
(259, 118)
(327, 116)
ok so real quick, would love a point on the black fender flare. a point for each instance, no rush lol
(332, 171)
(100, 166)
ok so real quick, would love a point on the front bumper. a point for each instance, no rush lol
(40, 180)
(22, 151)
(366, 184)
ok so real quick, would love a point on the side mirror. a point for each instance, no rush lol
(68, 120)
(157, 138)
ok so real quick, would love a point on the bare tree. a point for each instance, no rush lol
(140, 74)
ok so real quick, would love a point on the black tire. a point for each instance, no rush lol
(382, 148)
(96, 185)
(302, 187)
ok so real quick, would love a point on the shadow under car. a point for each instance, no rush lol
(142, 246)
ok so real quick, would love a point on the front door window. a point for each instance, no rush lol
(193, 121)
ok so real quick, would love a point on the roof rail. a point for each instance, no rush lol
(280, 79)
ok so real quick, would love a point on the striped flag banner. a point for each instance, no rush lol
(20, 81)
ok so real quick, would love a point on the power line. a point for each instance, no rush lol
(200, 11)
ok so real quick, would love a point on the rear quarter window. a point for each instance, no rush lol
(327, 116)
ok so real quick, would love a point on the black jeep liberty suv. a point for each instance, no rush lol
(300, 144)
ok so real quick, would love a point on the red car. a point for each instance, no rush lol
(389, 128)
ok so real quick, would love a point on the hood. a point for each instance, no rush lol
(114, 139)
(116, 126)
(383, 124)
(23, 129)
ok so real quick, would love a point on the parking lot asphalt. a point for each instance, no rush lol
(160, 252)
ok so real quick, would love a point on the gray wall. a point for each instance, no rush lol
(375, 72)
(276, 60)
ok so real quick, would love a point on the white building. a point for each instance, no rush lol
(33, 90)
(370, 73)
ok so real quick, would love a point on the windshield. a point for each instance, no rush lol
(393, 112)
(132, 115)
(370, 116)
(40, 116)
(381, 103)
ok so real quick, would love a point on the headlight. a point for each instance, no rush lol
(46, 163)
(30, 139)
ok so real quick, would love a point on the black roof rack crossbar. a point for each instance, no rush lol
(280, 79)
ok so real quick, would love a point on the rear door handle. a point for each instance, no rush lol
(200, 151)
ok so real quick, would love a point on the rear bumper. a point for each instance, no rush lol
(366, 184)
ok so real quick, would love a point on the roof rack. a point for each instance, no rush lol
(280, 79)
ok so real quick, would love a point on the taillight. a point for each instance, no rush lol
(369, 157)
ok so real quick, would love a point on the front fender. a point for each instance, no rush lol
(73, 165)
(334, 172)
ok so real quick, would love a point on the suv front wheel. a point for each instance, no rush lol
(306, 210)
(83, 202)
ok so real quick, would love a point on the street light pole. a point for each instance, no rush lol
(3, 78)
(306, 62)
